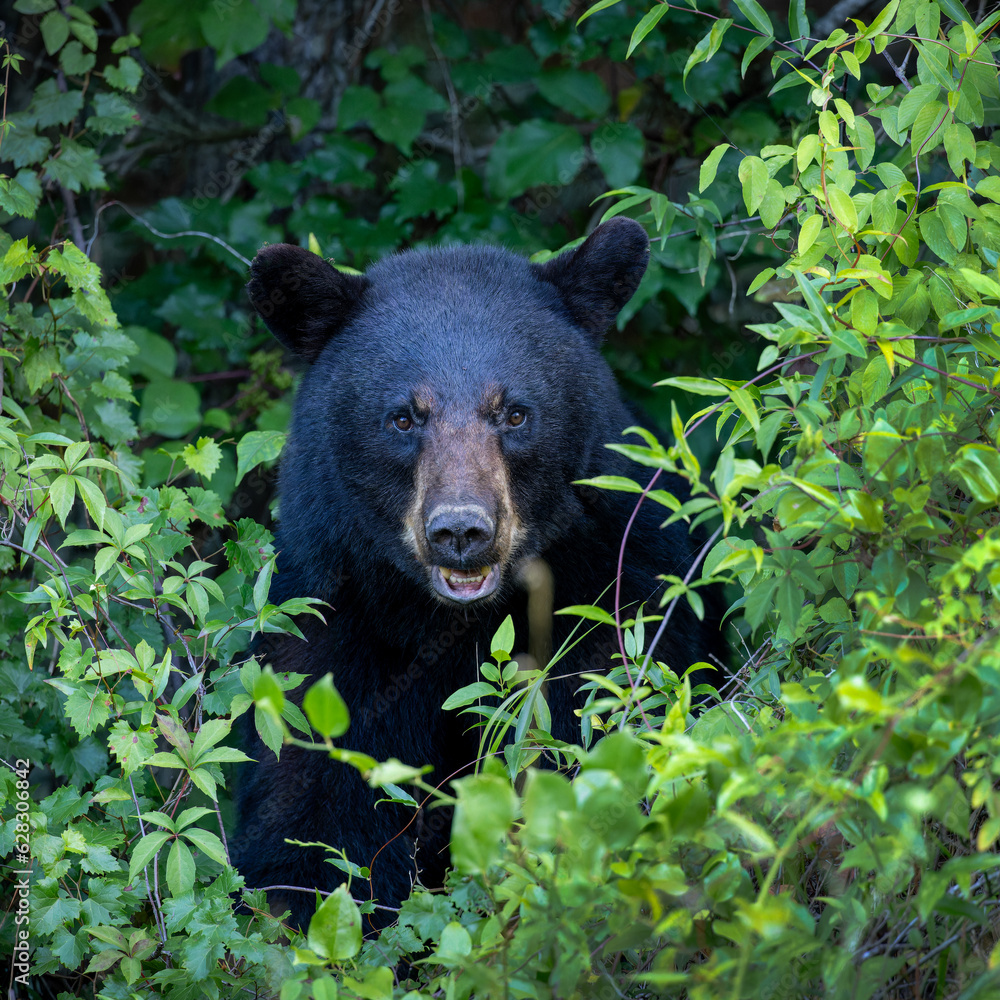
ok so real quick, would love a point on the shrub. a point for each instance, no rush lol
(827, 827)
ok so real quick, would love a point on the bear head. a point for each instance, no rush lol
(452, 397)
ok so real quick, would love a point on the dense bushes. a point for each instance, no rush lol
(828, 827)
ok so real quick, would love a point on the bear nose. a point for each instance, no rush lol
(459, 533)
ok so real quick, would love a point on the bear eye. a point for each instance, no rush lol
(402, 422)
(516, 417)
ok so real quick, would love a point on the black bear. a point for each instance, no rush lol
(452, 398)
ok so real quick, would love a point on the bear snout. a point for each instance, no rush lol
(459, 534)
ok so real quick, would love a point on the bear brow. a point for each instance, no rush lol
(423, 399)
(494, 398)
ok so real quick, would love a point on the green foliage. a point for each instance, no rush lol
(825, 826)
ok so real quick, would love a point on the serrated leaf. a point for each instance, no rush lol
(144, 852)
(127, 75)
(204, 457)
(206, 842)
(180, 868)
(62, 493)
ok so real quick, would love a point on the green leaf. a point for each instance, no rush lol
(127, 75)
(233, 29)
(469, 695)
(50, 106)
(708, 46)
(84, 277)
(503, 640)
(206, 842)
(113, 115)
(885, 453)
(76, 167)
(772, 207)
(534, 153)
(756, 15)
(747, 405)
(618, 149)
(807, 151)
(588, 612)
(847, 342)
(144, 852)
(842, 206)
(913, 101)
(711, 165)
(761, 280)
(989, 187)
(979, 466)
(956, 11)
(256, 447)
(754, 178)
(400, 119)
(580, 93)
(927, 132)
(864, 312)
(960, 147)
(180, 868)
(700, 386)
(169, 408)
(335, 927)
(875, 380)
(649, 21)
(798, 22)
(325, 709)
(455, 944)
(811, 228)
(131, 747)
(62, 493)
(243, 100)
(754, 49)
(829, 127)
(55, 31)
(600, 5)
(486, 808)
(203, 458)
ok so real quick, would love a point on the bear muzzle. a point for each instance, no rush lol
(460, 539)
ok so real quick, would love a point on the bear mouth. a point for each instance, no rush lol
(465, 585)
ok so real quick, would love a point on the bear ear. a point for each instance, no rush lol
(302, 299)
(602, 274)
